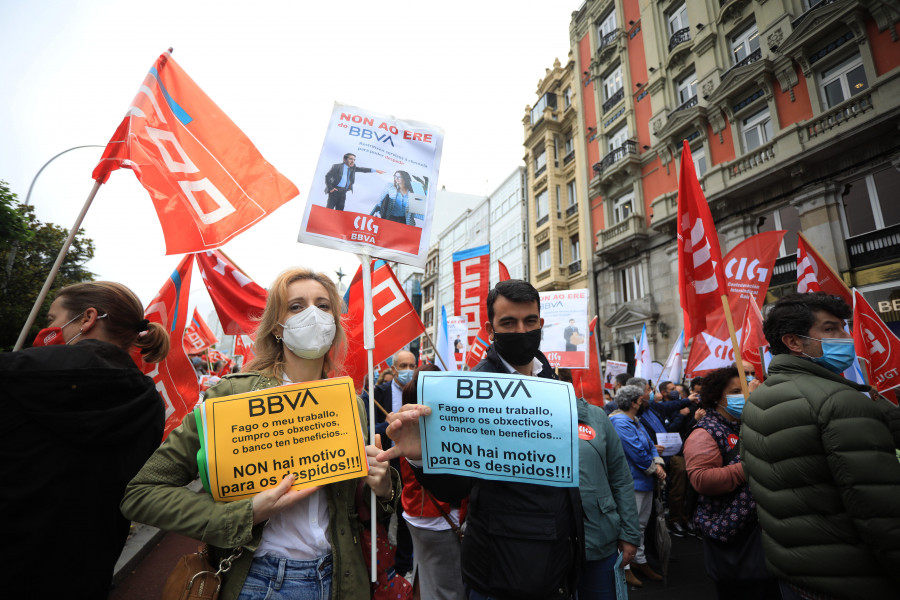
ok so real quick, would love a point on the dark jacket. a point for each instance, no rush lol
(333, 176)
(821, 463)
(384, 396)
(523, 541)
(78, 422)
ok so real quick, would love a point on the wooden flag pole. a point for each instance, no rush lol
(55, 270)
(369, 345)
(738, 360)
(433, 345)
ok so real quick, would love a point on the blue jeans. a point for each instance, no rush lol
(598, 579)
(274, 578)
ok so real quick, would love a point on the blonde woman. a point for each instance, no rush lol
(295, 544)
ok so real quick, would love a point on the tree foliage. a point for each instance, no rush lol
(28, 249)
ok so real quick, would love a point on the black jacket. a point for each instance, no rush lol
(523, 541)
(334, 174)
(78, 423)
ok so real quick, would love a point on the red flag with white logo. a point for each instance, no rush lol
(753, 338)
(239, 300)
(701, 274)
(814, 274)
(471, 274)
(588, 382)
(243, 347)
(207, 181)
(877, 345)
(748, 270)
(396, 321)
(198, 336)
(479, 345)
(174, 377)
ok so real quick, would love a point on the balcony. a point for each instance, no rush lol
(875, 247)
(689, 103)
(630, 231)
(836, 117)
(606, 50)
(749, 59)
(572, 210)
(542, 220)
(679, 37)
(629, 147)
(569, 157)
(811, 9)
(613, 100)
(784, 271)
(574, 267)
(751, 160)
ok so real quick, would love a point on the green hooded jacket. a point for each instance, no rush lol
(821, 462)
(157, 496)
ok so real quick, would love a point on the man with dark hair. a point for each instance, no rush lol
(340, 178)
(820, 458)
(510, 526)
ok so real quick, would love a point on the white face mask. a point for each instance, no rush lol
(309, 333)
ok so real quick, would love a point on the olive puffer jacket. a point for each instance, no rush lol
(820, 459)
(156, 496)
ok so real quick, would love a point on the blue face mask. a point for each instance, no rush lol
(404, 376)
(735, 406)
(652, 395)
(837, 353)
(750, 378)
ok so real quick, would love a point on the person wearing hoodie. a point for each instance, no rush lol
(79, 421)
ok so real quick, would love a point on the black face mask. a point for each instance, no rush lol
(518, 349)
(674, 395)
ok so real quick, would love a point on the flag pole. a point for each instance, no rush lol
(369, 345)
(55, 270)
(433, 345)
(738, 359)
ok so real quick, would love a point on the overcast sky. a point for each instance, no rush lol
(71, 68)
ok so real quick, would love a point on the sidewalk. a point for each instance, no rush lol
(687, 576)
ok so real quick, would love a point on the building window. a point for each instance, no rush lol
(687, 87)
(543, 252)
(617, 138)
(567, 97)
(623, 208)
(558, 201)
(699, 156)
(870, 202)
(570, 192)
(570, 144)
(678, 19)
(574, 248)
(428, 321)
(788, 219)
(562, 258)
(843, 81)
(607, 24)
(537, 113)
(745, 43)
(612, 83)
(630, 283)
(542, 204)
(540, 161)
(756, 129)
(428, 294)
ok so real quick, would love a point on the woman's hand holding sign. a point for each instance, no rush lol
(379, 477)
(403, 428)
(269, 503)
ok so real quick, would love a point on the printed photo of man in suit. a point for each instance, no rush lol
(339, 180)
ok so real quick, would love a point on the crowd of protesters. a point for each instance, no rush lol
(792, 492)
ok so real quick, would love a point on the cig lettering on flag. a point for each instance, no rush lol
(701, 277)
(396, 321)
(815, 275)
(207, 181)
(471, 274)
(239, 300)
(174, 377)
(876, 344)
(198, 336)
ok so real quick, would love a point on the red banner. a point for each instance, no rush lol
(815, 275)
(244, 348)
(207, 181)
(471, 284)
(748, 270)
(198, 336)
(356, 227)
(877, 345)
(589, 383)
(479, 344)
(174, 377)
(239, 301)
(396, 321)
(504, 272)
(753, 338)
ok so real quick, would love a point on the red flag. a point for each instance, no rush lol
(752, 338)
(206, 179)
(198, 336)
(239, 301)
(504, 272)
(396, 321)
(480, 344)
(748, 270)
(471, 274)
(875, 344)
(701, 277)
(588, 382)
(244, 348)
(815, 275)
(174, 377)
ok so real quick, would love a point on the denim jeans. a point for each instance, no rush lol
(598, 579)
(274, 578)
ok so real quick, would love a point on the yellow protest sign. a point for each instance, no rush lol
(312, 429)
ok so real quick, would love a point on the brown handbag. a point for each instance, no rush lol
(194, 578)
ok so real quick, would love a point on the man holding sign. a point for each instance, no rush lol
(523, 540)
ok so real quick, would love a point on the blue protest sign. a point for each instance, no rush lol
(501, 427)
